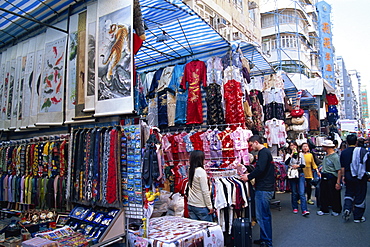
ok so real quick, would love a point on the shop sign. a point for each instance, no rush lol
(325, 41)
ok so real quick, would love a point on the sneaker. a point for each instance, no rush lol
(295, 211)
(321, 213)
(346, 215)
(309, 201)
(360, 220)
(334, 214)
(305, 213)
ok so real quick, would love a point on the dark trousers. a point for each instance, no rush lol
(308, 188)
(355, 196)
(329, 196)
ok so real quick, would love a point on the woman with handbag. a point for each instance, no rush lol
(295, 162)
(308, 170)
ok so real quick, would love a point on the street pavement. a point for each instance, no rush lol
(296, 230)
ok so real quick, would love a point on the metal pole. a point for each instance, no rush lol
(34, 20)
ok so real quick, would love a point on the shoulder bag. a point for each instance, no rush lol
(301, 139)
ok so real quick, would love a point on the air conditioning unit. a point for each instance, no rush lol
(237, 35)
(252, 5)
(221, 22)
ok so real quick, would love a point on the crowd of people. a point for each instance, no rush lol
(344, 167)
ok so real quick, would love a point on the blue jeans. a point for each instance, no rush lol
(263, 215)
(297, 187)
(197, 213)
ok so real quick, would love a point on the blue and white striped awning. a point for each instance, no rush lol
(291, 92)
(188, 34)
(260, 64)
(21, 17)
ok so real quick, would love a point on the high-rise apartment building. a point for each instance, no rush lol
(346, 91)
(290, 36)
(233, 19)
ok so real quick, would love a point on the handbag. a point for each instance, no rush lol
(298, 112)
(293, 173)
(316, 179)
(297, 120)
(301, 139)
(301, 128)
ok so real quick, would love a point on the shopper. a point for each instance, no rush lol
(264, 188)
(330, 185)
(308, 170)
(353, 162)
(296, 162)
(199, 197)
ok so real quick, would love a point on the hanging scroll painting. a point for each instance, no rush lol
(90, 55)
(2, 86)
(28, 84)
(52, 83)
(72, 71)
(52, 80)
(114, 92)
(36, 82)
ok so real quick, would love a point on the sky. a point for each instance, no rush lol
(351, 35)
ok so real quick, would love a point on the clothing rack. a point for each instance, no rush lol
(61, 137)
(223, 173)
(195, 126)
(217, 158)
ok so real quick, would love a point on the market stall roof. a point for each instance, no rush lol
(18, 18)
(307, 99)
(252, 53)
(175, 31)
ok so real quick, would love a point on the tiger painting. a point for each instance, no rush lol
(121, 38)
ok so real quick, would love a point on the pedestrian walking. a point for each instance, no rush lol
(264, 188)
(308, 171)
(353, 161)
(330, 185)
(296, 162)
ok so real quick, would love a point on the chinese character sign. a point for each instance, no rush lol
(326, 42)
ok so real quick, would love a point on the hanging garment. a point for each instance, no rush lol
(256, 110)
(240, 138)
(215, 114)
(153, 101)
(150, 170)
(214, 70)
(274, 110)
(227, 144)
(195, 75)
(197, 141)
(234, 112)
(162, 109)
(314, 120)
(206, 144)
(215, 145)
(163, 84)
(274, 95)
(331, 99)
(181, 95)
(112, 195)
(275, 132)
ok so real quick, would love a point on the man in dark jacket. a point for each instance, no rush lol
(353, 162)
(264, 175)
